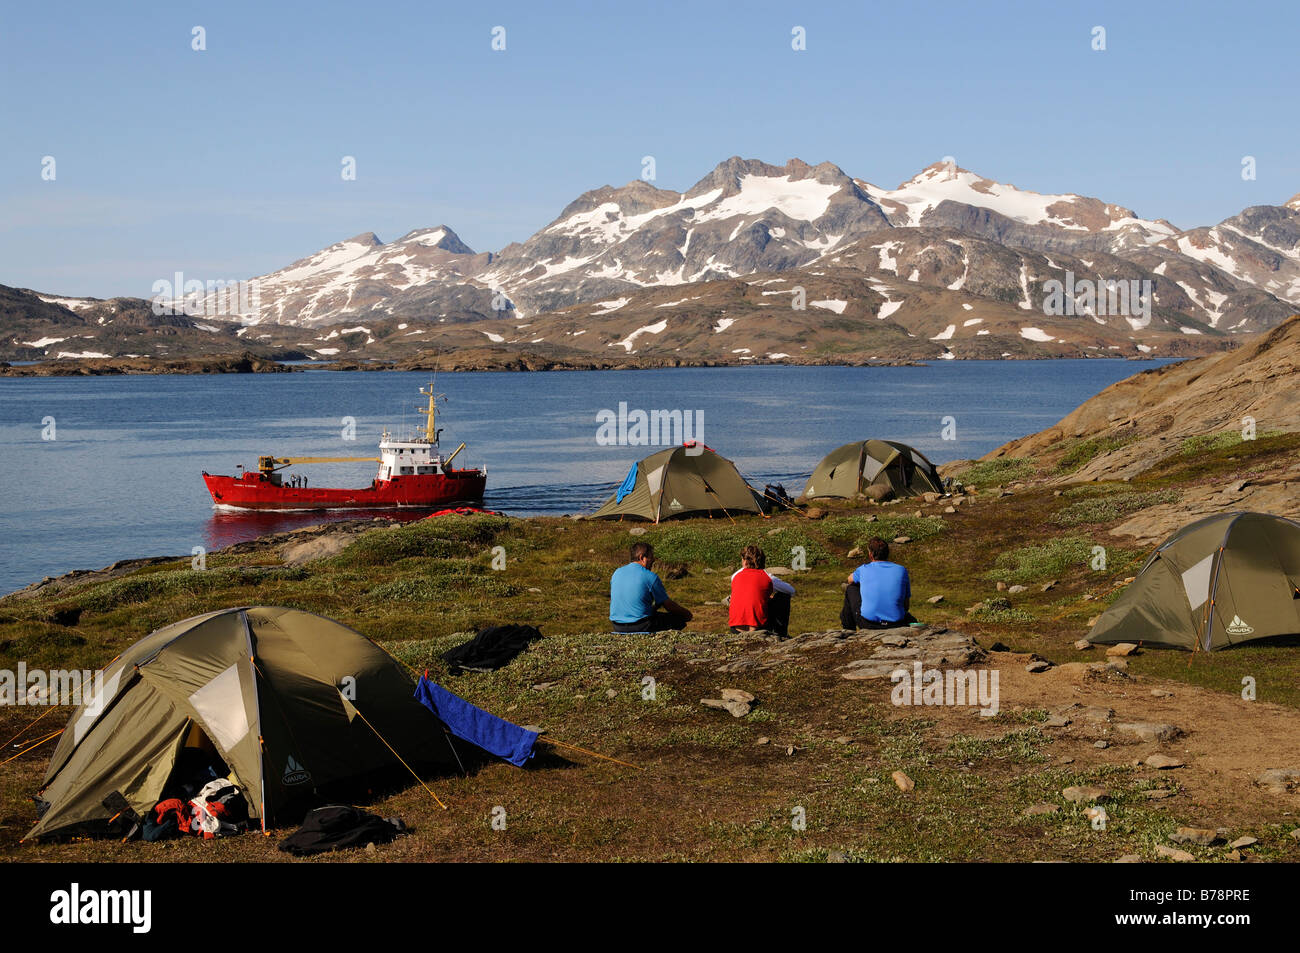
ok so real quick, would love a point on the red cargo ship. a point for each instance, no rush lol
(412, 473)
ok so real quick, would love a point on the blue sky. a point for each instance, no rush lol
(226, 163)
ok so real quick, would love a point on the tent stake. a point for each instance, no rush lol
(38, 718)
(31, 746)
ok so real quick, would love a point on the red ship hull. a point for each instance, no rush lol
(254, 491)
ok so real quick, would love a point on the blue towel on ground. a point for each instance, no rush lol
(471, 723)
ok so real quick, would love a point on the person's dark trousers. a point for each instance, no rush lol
(778, 614)
(851, 619)
(658, 621)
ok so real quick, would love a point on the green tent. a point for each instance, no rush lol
(290, 701)
(690, 480)
(1219, 581)
(849, 470)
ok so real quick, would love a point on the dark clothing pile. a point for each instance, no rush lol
(493, 648)
(338, 827)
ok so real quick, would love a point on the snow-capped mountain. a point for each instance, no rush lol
(946, 196)
(922, 255)
(422, 275)
(747, 217)
(744, 217)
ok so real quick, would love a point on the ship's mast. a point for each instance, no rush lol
(431, 423)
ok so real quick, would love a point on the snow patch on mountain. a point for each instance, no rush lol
(657, 328)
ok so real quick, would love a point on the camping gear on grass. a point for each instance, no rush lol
(1220, 581)
(690, 480)
(849, 470)
(492, 648)
(338, 827)
(291, 703)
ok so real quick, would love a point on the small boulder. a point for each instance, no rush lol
(637, 531)
(1200, 836)
(737, 695)
(934, 600)
(1084, 793)
(1037, 809)
(1279, 780)
(902, 539)
(1150, 731)
(1016, 589)
(1122, 649)
(1173, 853)
(1083, 645)
(904, 783)
(1241, 842)
(1042, 665)
(1163, 762)
(1048, 586)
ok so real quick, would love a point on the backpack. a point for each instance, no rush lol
(337, 827)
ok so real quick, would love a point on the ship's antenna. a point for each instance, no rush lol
(431, 415)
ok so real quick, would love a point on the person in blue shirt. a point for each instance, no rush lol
(638, 601)
(878, 593)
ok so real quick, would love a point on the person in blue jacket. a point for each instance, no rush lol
(878, 594)
(638, 601)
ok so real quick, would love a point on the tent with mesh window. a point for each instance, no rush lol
(291, 705)
(1223, 580)
(848, 470)
(690, 480)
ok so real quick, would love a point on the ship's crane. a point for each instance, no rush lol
(269, 465)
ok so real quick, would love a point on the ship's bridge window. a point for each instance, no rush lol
(424, 470)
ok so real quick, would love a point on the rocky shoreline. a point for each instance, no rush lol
(245, 363)
(522, 361)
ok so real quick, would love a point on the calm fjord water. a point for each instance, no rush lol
(122, 478)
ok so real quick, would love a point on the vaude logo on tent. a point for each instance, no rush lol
(674, 505)
(294, 773)
(1237, 627)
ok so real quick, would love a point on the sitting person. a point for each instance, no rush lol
(878, 593)
(758, 599)
(638, 601)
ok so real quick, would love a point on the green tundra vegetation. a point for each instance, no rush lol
(707, 786)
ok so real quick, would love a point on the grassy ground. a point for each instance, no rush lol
(707, 786)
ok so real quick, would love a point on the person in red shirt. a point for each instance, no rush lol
(758, 599)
